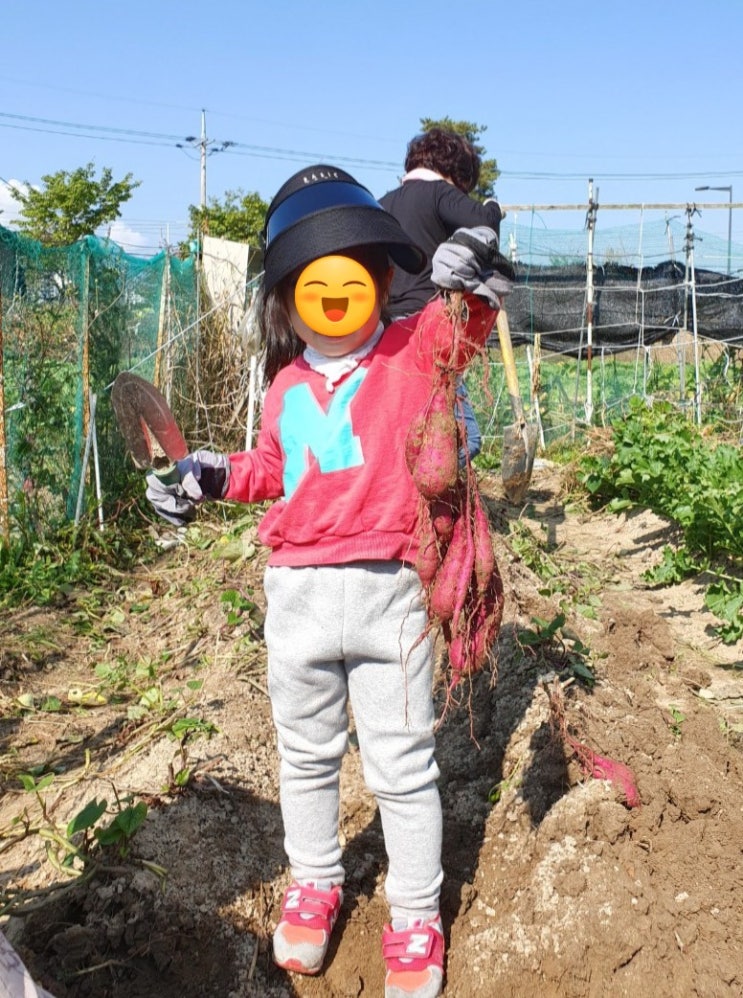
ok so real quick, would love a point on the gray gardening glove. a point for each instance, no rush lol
(202, 475)
(470, 261)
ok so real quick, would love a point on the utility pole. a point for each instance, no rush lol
(206, 147)
(202, 145)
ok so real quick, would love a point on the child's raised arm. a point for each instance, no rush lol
(471, 261)
(468, 262)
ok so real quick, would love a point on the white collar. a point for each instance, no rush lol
(335, 368)
(423, 173)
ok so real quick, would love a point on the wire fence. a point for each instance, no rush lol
(598, 316)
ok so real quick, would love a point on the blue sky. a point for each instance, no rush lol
(643, 97)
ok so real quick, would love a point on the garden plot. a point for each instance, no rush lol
(554, 885)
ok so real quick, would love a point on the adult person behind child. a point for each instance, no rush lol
(442, 168)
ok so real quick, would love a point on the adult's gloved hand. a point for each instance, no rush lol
(202, 475)
(471, 261)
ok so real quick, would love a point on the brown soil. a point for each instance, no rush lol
(555, 887)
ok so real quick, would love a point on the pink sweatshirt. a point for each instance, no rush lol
(334, 456)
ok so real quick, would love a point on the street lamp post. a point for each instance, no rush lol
(729, 189)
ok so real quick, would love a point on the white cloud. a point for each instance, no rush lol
(9, 207)
(128, 238)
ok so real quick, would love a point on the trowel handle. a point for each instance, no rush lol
(509, 365)
(168, 476)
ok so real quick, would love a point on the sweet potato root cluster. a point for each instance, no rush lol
(456, 562)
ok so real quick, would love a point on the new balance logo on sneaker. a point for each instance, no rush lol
(292, 898)
(419, 944)
(415, 960)
(308, 915)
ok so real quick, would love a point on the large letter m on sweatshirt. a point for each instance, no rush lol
(304, 428)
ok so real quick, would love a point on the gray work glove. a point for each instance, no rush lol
(470, 261)
(202, 475)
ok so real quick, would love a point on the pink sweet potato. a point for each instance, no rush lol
(443, 517)
(435, 467)
(429, 556)
(414, 441)
(457, 648)
(452, 580)
(456, 560)
(471, 643)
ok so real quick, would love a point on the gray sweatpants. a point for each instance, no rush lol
(348, 632)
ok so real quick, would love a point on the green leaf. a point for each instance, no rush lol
(29, 782)
(124, 825)
(583, 672)
(87, 817)
(131, 818)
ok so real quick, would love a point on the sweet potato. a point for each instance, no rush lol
(414, 441)
(452, 580)
(470, 643)
(456, 561)
(443, 516)
(429, 556)
(435, 467)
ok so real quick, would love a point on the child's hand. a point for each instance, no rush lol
(470, 261)
(202, 475)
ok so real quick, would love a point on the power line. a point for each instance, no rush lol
(206, 147)
(80, 135)
(164, 139)
(137, 137)
(91, 128)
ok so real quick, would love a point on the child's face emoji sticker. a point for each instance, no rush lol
(335, 295)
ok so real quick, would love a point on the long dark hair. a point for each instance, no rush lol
(448, 153)
(280, 343)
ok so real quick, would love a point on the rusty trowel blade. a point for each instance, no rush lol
(519, 447)
(146, 422)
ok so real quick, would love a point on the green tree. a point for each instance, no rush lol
(71, 205)
(239, 217)
(489, 171)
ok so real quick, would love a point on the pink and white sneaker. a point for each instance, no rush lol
(308, 915)
(415, 960)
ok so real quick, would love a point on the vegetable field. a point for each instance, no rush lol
(140, 835)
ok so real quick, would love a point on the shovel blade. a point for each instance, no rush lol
(519, 447)
(150, 432)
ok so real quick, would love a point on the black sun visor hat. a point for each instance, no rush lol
(323, 210)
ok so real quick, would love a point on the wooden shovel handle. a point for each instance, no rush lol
(509, 365)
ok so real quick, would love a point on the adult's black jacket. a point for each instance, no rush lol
(430, 211)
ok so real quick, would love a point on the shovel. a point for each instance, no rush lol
(520, 438)
(150, 432)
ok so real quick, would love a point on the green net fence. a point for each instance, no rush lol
(71, 318)
(666, 315)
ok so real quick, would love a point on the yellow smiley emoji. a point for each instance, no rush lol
(335, 295)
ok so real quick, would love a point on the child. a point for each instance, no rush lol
(345, 615)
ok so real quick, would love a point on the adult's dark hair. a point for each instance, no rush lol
(448, 153)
